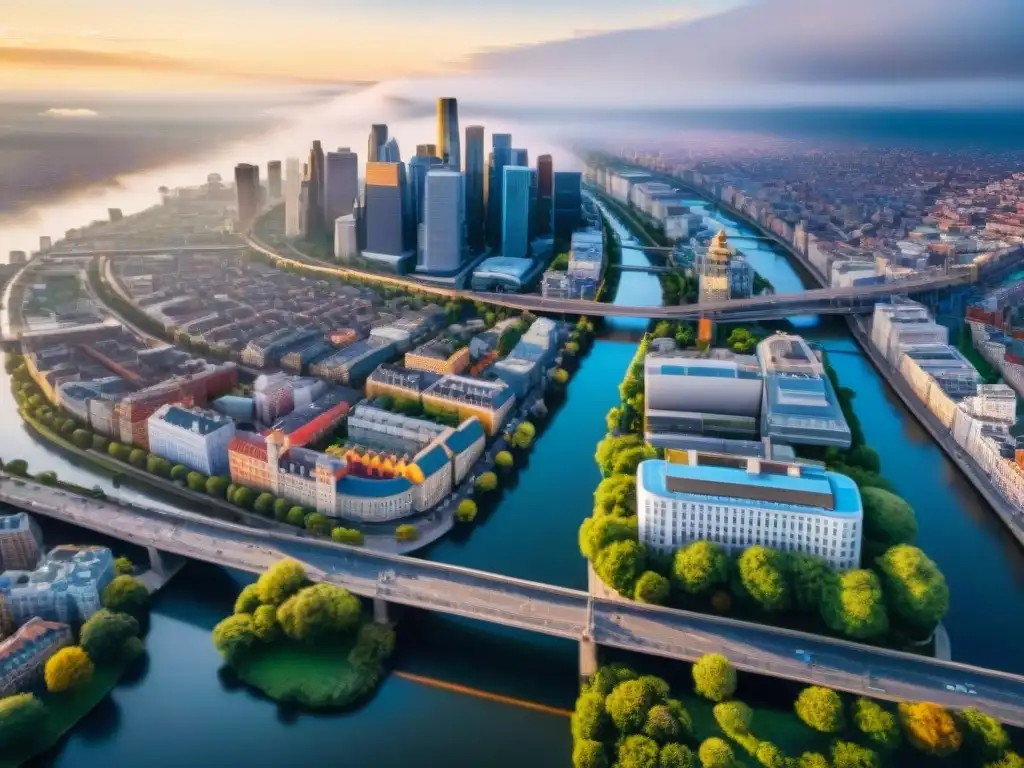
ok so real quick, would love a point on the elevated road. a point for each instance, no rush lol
(555, 611)
(90, 252)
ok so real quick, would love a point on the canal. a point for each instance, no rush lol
(181, 709)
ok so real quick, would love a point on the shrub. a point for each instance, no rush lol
(100, 443)
(264, 623)
(138, 458)
(126, 594)
(596, 533)
(123, 566)
(812, 760)
(762, 576)
(915, 588)
(714, 677)
(281, 509)
(733, 717)
(700, 567)
(627, 706)
(179, 472)
(504, 460)
(770, 756)
(466, 513)
(888, 520)
(487, 482)
(82, 438)
(930, 728)
(847, 754)
(264, 504)
(589, 720)
(248, 599)
(47, 478)
(68, 669)
(317, 523)
(279, 582)
(104, 634)
(296, 516)
(716, 753)
(984, 736)
(662, 725)
(234, 636)
(17, 467)
(348, 536)
(196, 481)
(620, 564)
(637, 752)
(877, 723)
(589, 754)
(651, 588)
(22, 720)
(676, 756)
(406, 533)
(853, 604)
(821, 709)
(319, 612)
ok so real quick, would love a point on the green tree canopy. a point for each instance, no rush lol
(349, 536)
(616, 495)
(699, 567)
(318, 523)
(714, 677)
(812, 760)
(319, 612)
(504, 460)
(466, 511)
(620, 564)
(196, 481)
(281, 509)
(984, 736)
(589, 720)
(733, 717)
(627, 705)
(652, 588)
(762, 575)
(915, 589)
(22, 720)
(17, 467)
(596, 533)
(589, 754)
(676, 756)
(930, 727)
(406, 532)
(821, 709)
(280, 581)
(126, 594)
(104, 634)
(264, 504)
(264, 623)
(179, 472)
(157, 465)
(716, 753)
(137, 458)
(877, 723)
(244, 497)
(123, 566)
(638, 751)
(847, 754)
(609, 676)
(68, 669)
(248, 599)
(82, 438)
(770, 756)
(609, 449)
(218, 486)
(852, 603)
(487, 482)
(662, 725)
(808, 575)
(888, 520)
(234, 636)
(296, 516)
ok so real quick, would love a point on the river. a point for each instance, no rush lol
(182, 710)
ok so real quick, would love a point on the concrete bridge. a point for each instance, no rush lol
(571, 614)
(88, 253)
(640, 268)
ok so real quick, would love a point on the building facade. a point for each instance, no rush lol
(19, 543)
(247, 191)
(385, 211)
(475, 171)
(23, 656)
(66, 587)
(274, 180)
(444, 221)
(448, 141)
(567, 203)
(515, 218)
(195, 438)
(341, 183)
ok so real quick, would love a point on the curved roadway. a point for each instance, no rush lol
(556, 611)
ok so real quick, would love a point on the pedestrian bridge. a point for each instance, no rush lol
(567, 613)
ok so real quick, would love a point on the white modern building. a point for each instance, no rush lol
(739, 502)
(586, 255)
(346, 240)
(901, 324)
(197, 439)
(292, 197)
(444, 221)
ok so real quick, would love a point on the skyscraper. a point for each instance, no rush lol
(304, 216)
(292, 202)
(419, 165)
(448, 133)
(341, 183)
(378, 138)
(315, 193)
(247, 188)
(390, 153)
(567, 202)
(274, 180)
(502, 150)
(444, 221)
(519, 157)
(385, 214)
(545, 190)
(515, 212)
(474, 180)
(426, 150)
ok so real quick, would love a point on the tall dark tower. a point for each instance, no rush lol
(378, 138)
(274, 180)
(545, 190)
(502, 146)
(448, 143)
(475, 173)
(315, 211)
(247, 188)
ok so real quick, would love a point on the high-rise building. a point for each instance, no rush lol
(247, 188)
(346, 240)
(448, 142)
(315, 192)
(474, 181)
(515, 214)
(419, 165)
(304, 216)
(519, 157)
(545, 191)
(341, 183)
(378, 138)
(444, 221)
(501, 156)
(385, 209)
(274, 180)
(426, 150)
(390, 153)
(567, 203)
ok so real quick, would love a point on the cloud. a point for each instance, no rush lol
(72, 113)
(796, 41)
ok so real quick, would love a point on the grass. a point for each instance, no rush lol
(315, 676)
(65, 710)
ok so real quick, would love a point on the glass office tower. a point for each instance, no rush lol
(502, 152)
(448, 143)
(474, 180)
(515, 216)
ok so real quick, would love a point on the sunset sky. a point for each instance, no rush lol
(129, 45)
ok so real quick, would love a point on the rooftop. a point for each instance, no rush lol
(199, 422)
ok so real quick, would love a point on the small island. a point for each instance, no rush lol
(304, 644)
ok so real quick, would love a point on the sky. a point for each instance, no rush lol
(198, 44)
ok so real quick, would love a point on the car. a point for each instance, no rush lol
(960, 688)
(950, 688)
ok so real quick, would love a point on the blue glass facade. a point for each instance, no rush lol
(515, 218)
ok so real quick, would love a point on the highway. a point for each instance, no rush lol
(556, 611)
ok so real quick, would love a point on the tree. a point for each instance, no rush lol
(847, 754)
(852, 603)
(47, 478)
(82, 438)
(609, 449)
(716, 753)
(504, 460)
(915, 589)
(123, 566)
(126, 594)
(762, 575)
(560, 376)
(770, 756)
(319, 612)
(157, 465)
(638, 752)
(608, 677)
(714, 677)
(217, 486)
(589, 754)
(486, 483)
(821, 709)
(1008, 760)
(651, 588)
(68, 669)
(662, 725)
(466, 512)
(234, 636)
(280, 581)
(406, 532)
(930, 728)
(179, 473)
(616, 496)
(137, 458)
(984, 736)
(281, 509)
(808, 575)
(877, 723)
(733, 717)
(676, 756)
(264, 623)
(296, 516)
(104, 634)
(17, 467)
(349, 536)
(317, 523)
(22, 720)
(620, 564)
(100, 443)
(888, 520)
(628, 704)
(196, 481)
(699, 567)
(596, 533)
(812, 760)
(264, 504)
(248, 599)
(589, 719)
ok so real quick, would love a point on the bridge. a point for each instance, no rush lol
(819, 301)
(640, 268)
(88, 253)
(566, 613)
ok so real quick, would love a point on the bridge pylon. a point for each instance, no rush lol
(156, 561)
